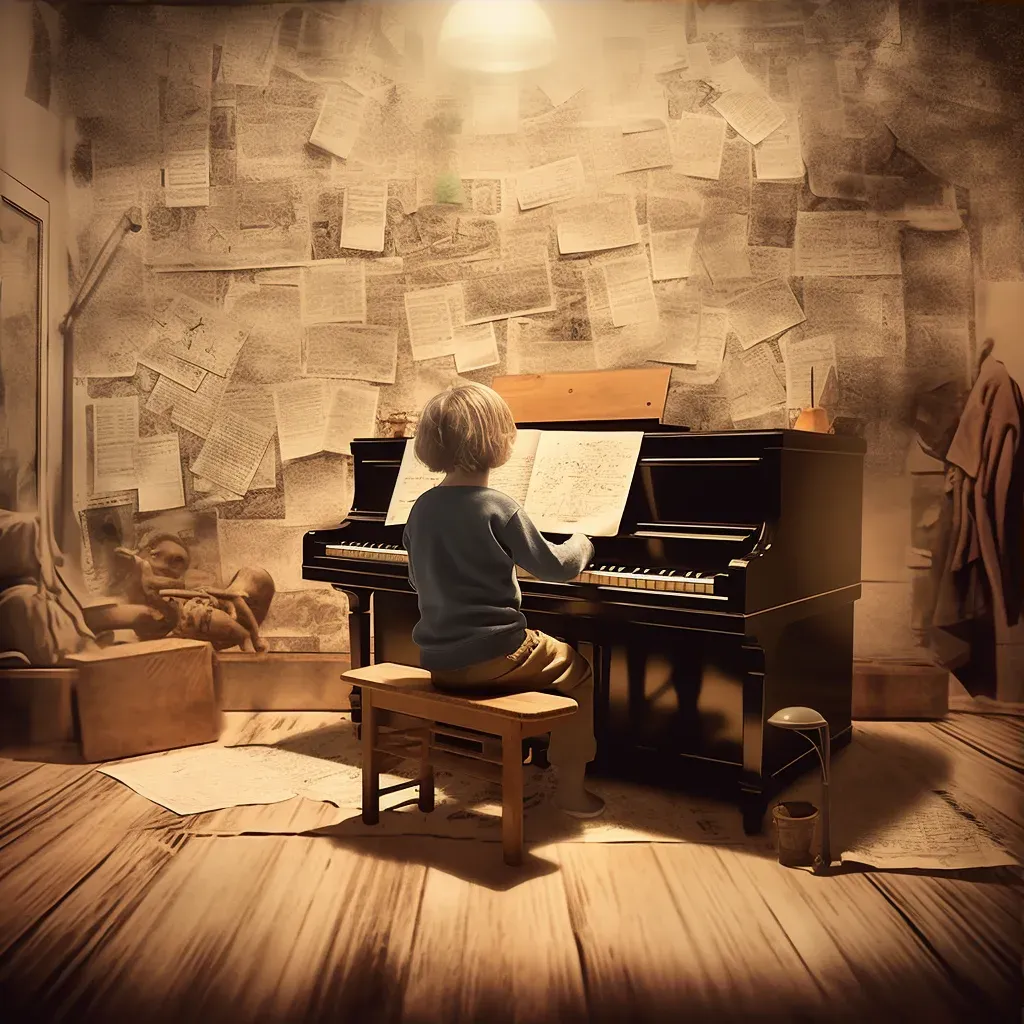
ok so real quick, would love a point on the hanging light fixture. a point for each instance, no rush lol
(496, 36)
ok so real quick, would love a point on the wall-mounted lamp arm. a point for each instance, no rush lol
(129, 222)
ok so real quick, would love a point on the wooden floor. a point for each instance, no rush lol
(109, 911)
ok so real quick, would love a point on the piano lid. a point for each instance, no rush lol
(623, 398)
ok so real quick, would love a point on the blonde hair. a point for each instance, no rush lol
(467, 427)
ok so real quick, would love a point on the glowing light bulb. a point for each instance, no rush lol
(497, 36)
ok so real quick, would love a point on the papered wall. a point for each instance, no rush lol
(335, 227)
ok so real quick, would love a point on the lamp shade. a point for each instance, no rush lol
(797, 718)
(496, 36)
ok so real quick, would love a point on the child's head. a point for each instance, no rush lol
(467, 427)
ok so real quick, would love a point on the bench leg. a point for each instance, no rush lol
(371, 779)
(426, 797)
(512, 794)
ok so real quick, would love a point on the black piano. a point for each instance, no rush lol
(727, 594)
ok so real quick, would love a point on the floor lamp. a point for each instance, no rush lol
(805, 721)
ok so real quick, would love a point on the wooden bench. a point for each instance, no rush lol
(478, 736)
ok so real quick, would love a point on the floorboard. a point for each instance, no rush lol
(110, 911)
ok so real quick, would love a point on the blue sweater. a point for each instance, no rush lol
(464, 544)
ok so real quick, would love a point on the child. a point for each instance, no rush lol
(464, 541)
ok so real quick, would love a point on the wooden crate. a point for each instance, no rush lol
(35, 706)
(283, 682)
(896, 690)
(139, 698)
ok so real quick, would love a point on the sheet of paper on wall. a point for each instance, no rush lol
(672, 253)
(413, 480)
(847, 244)
(753, 384)
(512, 286)
(550, 183)
(581, 479)
(353, 351)
(333, 292)
(317, 490)
(188, 375)
(698, 141)
(763, 312)
(801, 356)
(233, 451)
(494, 107)
(751, 111)
(630, 292)
(351, 413)
(779, 157)
(666, 49)
(363, 217)
(187, 178)
(645, 144)
(199, 334)
(250, 44)
(340, 120)
(158, 467)
(476, 347)
(193, 411)
(723, 247)
(300, 408)
(678, 329)
(115, 433)
(714, 332)
(608, 222)
(428, 314)
(866, 312)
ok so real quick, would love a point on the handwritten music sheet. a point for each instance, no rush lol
(353, 351)
(931, 834)
(550, 183)
(698, 143)
(115, 432)
(340, 120)
(351, 412)
(846, 244)
(802, 355)
(714, 332)
(413, 480)
(513, 478)
(333, 292)
(764, 311)
(158, 465)
(233, 451)
(300, 408)
(591, 225)
(672, 253)
(630, 293)
(363, 216)
(429, 316)
(198, 334)
(581, 480)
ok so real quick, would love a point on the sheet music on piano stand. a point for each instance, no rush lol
(568, 481)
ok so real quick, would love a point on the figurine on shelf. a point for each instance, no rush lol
(159, 602)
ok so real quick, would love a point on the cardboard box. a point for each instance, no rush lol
(35, 706)
(283, 682)
(898, 690)
(140, 698)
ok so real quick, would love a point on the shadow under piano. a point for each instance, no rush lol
(727, 594)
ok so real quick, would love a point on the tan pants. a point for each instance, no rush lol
(540, 663)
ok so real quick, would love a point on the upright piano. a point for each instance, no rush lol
(727, 594)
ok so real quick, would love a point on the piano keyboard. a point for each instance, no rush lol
(674, 580)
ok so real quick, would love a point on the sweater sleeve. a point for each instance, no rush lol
(554, 563)
(405, 544)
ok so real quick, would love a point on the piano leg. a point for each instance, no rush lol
(358, 640)
(753, 807)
